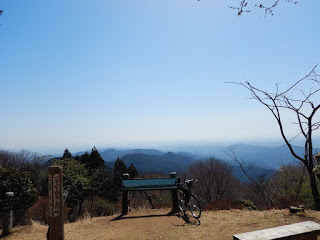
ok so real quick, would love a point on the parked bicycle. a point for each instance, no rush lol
(188, 200)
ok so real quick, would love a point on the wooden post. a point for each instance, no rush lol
(55, 231)
(175, 205)
(125, 197)
(8, 218)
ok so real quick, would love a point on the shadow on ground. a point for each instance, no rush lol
(185, 217)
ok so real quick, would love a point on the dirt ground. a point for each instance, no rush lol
(156, 224)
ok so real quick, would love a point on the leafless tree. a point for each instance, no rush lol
(280, 189)
(216, 181)
(302, 100)
(289, 180)
(17, 160)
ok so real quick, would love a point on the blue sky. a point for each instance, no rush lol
(117, 72)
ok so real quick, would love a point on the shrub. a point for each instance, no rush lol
(40, 211)
(247, 204)
(12, 180)
(99, 207)
(18, 182)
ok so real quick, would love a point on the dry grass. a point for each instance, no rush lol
(154, 224)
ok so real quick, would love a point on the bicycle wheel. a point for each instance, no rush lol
(194, 205)
(181, 201)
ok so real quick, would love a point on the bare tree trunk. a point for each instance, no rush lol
(314, 189)
(312, 177)
(80, 208)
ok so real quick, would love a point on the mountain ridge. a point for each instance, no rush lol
(260, 156)
(256, 159)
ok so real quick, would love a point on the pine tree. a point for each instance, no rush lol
(118, 170)
(96, 161)
(85, 159)
(132, 171)
(66, 154)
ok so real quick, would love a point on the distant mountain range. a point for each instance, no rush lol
(164, 163)
(264, 157)
(110, 155)
(257, 159)
(260, 156)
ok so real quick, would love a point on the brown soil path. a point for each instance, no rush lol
(155, 224)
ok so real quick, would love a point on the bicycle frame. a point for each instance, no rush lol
(188, 200)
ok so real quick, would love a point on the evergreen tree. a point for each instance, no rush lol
(85, 159)
(66, 154)
(132, 171)
(96, 161)
(93, 161)
(118, 170)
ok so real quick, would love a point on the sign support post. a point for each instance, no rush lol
(55, 183)
(174, 195)
(8, 217)
(126, 176)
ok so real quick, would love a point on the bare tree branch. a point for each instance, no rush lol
(244, 6)
(231, 153)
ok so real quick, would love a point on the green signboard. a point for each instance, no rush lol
(133, 184)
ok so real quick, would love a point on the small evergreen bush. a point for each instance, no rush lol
(247, 204)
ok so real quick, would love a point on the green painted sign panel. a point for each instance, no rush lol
(149, 183)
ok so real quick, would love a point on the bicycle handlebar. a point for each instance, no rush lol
(190, 180)
(187, 181)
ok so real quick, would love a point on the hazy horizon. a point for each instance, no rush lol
(162, 146)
